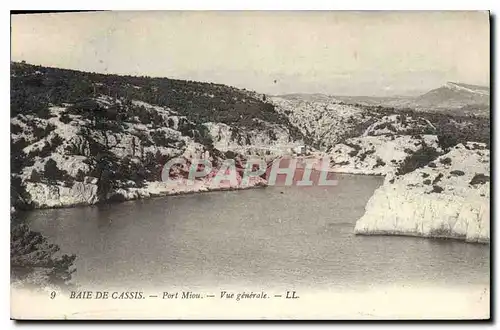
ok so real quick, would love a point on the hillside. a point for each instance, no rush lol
(82, 138)
(328, 121)
(453, 98)
(201, 102)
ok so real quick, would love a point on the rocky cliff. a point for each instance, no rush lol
(80, 138)
(437, 180)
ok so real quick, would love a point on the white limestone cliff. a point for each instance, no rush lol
(449, 198)
(43, 195)
(274, 140)
(132, 146)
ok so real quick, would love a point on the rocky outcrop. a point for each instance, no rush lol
(56, 155)
(43, 195)
(324, 122)
(273, 140)
(123, 129)
(377, 155)
(400, 124)
(448, 198)
(181, 186)
(87, 193)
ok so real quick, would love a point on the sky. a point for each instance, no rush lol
(337, 53)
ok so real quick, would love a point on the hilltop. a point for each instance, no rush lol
(462, 98)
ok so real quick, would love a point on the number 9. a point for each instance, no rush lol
(52, 295)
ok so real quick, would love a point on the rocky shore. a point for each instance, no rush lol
(448, 198)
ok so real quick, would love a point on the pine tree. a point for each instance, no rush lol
(30, 252)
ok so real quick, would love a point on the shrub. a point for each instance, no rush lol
(18, 145)
(356, 148)
(127, 169)
(230, 154)
(15, 129)
(116, 198)
(387, 125)
(42, 132)
(52, 172)
(476, 146)
(19, 197)
(35, 176)
(56, 142)
(202, 136)
(18, 159)
(144, 139)
(353, 153)
(418, 159)
(379, 162)
(80, 175)
(109, 125)
(44, 112)
(65, 118)
(47, 148)
(72, 149)
(437, 178)
(84, 107)
(457, 173)
(447, 140)
(362, 157)
(408, 151)
(436, 189)
(445, 161)
(31, 252)
(341, 163)
(160, 139)
(479, 179)
(144, 115)
(42, 152)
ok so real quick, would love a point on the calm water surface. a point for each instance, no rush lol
(277, 236)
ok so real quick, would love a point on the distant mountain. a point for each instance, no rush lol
(454, 96)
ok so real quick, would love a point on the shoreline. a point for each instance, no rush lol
(407, 234)
(145, 193)
(118, 197)
(117, 200)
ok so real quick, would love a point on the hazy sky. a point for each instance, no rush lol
(343, 53)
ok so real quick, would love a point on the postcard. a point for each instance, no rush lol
(250, 165)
